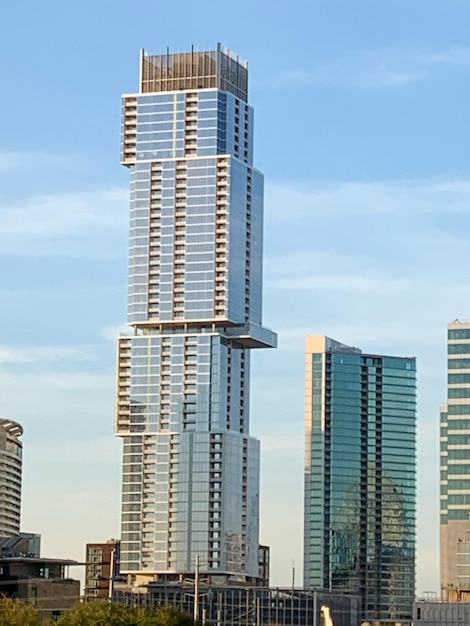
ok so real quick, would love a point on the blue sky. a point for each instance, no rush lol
(361, 130)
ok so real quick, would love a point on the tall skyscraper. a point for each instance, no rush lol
(455, 464)
(190, 469)
(11, 464)
(360, 476)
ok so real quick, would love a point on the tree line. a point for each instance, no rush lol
(13, 612)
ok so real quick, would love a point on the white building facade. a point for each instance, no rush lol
(11, 467)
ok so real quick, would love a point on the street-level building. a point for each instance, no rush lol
(439, 613)
(44, 583)
(248, 605)
(23, 544)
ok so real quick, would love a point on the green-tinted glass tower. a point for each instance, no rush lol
(360, 477)
(455, 464)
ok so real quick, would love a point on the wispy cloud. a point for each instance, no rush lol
(377, 238)
(380, 265)
(366, 334)
(288, 201)
(332, 282)
(105, 449)
(44, 212)
(77, 405)
(14, 159)
(382, 68)
(36, 354)
(111, 333)
(76, 381)
(82, 223)
(65, 214)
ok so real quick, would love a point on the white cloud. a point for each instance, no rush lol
(37, 221)
(382, 68)
(363, 333)
(332, 282)
(35, 354)
(71, 400)
(451, 56)
(56, 215)
(9, 160)
(75, 381)
(14, 159)
(111, 333)
(285, 202)
(400, 241)
(91, 450)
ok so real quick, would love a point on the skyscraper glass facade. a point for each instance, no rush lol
(360, 476)
(190, 468)
(455, 463)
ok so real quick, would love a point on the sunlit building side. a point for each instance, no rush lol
(11, 466)
(190, 490)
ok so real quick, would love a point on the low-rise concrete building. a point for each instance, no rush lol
(23, 544)
(215, 604)
(45, 583)
(440, 613)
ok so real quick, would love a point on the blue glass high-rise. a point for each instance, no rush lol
(190, 469)
(360, 477)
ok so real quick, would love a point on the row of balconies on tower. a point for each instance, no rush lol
(129, 130)
(221, 238)
(180, 230)
(123, 401)
(191, 124)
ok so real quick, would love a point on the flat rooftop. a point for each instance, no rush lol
(181, 71)
(36, 559)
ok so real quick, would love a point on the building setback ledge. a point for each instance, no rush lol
(252, 336)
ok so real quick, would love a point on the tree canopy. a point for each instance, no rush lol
(16, 613)
(114, 614)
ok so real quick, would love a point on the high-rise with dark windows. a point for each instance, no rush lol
(360, 477)
(190, 488)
